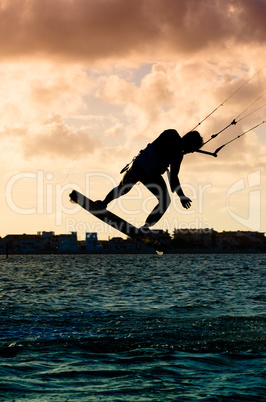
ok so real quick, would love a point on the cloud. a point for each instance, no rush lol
(181, 95)
(37, 101)
(115, 108)
(55, 139)
(90, 30)
(30, 91)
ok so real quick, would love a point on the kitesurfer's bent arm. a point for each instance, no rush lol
(175, 183)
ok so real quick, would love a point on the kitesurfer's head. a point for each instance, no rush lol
(191, 142)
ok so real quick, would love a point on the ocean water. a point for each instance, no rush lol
(133, 328)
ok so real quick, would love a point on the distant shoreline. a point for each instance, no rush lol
(127, 252)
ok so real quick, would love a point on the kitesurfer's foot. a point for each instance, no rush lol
(101, 204)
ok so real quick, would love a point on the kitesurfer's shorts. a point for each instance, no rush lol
(147, 167)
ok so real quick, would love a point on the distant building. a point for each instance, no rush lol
(183, 239)
(164, 235)
(120, 245)
(50, 240)
(24, 243)
(41, 242)
(68, 242)
(92, 244)
(194, 238)
(242, 241)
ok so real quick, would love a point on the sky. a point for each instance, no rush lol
(86, 84)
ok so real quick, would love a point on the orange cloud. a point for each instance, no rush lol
(55, 138)
(94, 30)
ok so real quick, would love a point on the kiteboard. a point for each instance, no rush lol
(148, 237)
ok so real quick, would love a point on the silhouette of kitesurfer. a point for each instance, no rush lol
(148, 166)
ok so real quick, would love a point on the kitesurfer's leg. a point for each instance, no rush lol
(129, 180)
(116, 192)
(158, 187)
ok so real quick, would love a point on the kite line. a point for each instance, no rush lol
(234, 121)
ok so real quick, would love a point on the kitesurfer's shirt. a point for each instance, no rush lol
(165, 151)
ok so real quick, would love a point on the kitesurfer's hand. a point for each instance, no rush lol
(185, 201)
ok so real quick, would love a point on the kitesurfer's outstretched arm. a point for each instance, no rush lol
(185, 201)
(175, 183)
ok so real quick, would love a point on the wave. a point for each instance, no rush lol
(127, 330)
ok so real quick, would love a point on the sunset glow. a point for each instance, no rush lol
(85, 84)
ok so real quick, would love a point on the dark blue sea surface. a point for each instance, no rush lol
(133, 328)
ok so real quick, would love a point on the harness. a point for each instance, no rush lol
(128, 166)
(149, 160)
